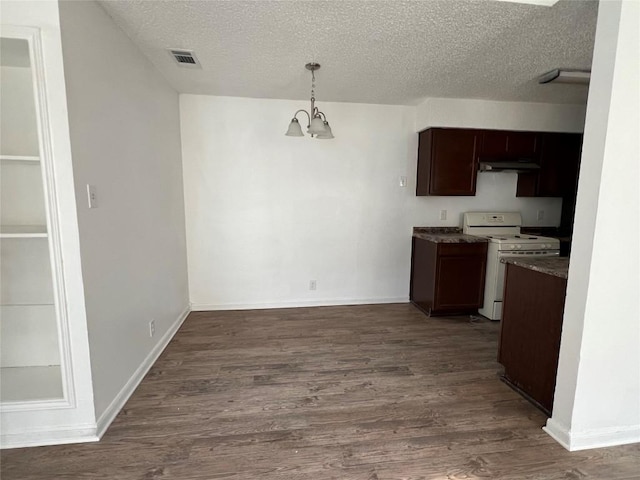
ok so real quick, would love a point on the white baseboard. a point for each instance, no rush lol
(558, 432)
(604, 437)
(50, 436)
(118, 402)
(203, 307)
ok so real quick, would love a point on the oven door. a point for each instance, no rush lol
(521, 253)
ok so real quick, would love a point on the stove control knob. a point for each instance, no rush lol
(512, 247)
(518, 246)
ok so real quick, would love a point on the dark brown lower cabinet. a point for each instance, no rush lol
(532, 312)
(447, 278)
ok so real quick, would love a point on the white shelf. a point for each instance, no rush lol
(26, 305)
(20, 159)
(20, 384)
(23, 231)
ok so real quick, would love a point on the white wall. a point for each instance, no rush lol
(266, 213)
(470, 113)
(597, 399)
(125, 139)
(77, 421)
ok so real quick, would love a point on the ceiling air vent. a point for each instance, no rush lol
(185, 58)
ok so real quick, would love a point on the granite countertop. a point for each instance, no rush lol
(445, 235)
(556, 266)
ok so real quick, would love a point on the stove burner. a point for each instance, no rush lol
(528, 238)
(497, 238)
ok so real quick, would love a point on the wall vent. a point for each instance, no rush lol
(184, 58)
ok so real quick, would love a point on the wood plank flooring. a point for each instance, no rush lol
(359, 392)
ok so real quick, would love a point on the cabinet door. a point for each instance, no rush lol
(559, 164)
(527, 184)
(494, 143)
(522, 145)
(447, 162)
(460, 280)
(497, 144)
(423, 259)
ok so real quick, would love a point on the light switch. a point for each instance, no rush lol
(443, 214)
(403, 181)
(92, 196)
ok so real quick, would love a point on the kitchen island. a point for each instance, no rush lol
(533, 308)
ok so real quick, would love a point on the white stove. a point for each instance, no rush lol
(505, 240)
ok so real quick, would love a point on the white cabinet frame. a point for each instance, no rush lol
(32, 36)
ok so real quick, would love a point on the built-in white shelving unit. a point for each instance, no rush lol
(30, 363)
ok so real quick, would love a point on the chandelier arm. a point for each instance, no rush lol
(306, 113)
(324, 117)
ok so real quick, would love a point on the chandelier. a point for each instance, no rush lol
(318, 125)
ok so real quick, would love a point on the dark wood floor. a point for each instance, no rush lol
(363, 392)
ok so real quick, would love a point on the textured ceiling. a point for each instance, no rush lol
(394, 52)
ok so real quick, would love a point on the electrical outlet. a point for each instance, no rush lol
(152, 328)
(92, 196)
(540, 214)
(403, 181)
(312, 284)
(443, 214)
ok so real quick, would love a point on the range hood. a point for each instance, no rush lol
(514, 166)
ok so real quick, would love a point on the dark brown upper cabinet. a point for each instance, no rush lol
(447, 159)
(559, 165)
(498, 144)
